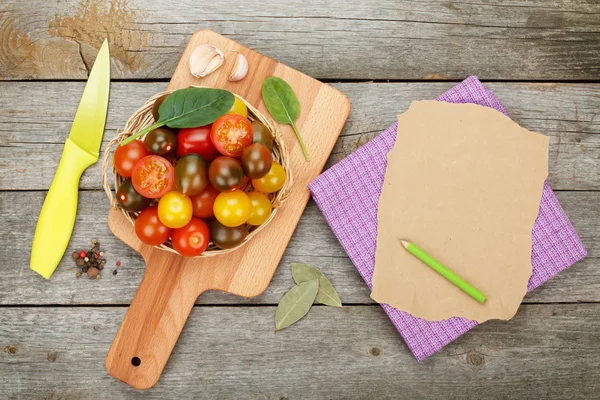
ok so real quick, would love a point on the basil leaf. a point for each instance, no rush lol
(296, 303)
(282, 103)
(189, 108)
(326, 294)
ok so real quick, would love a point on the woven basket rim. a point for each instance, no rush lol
(143, 117)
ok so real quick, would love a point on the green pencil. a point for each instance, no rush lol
(443, 270)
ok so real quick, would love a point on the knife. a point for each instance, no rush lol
(57, 218)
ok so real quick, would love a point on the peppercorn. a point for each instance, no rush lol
(96, 256)
(118, 263)
(89, 254)
(94, 241)
(85, 268)
(100, 267)
(86, 259)
(101, 254)
(75, 255)
(79, 262)
(115, 272)
(92, 272)
(78, 274)
(82, 254)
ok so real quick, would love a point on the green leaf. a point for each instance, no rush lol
(326, 294)
(282, 103)
(295, 304)
(189, 108)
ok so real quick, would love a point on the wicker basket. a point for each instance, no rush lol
(143, 118)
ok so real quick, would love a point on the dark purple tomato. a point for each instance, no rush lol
(191, 174)
(226, 174)
(157, 104)
(225, 237)
(256, 160)
(262, 135)
(129, 199)
(161, 141)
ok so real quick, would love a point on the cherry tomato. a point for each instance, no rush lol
(127, 156)
(196, 140)
(129, 199)
(260, 208)
(243, 185)
(202, 204)
(238, 107)
(192, 174)
(256, 160)
(149, 229)
(231, 134)
(225, 237)
(225, 173)
(175, 210)
(161, 141)
(192, 239)
(153, 176)
(157, 104)
(262, 135)
(272, 181)
(232, 209)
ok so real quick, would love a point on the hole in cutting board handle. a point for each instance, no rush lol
(135, 361)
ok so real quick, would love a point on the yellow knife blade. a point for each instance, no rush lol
(88, 125)
(57, 217)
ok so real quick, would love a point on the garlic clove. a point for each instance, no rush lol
(240, 68)
(205, 59)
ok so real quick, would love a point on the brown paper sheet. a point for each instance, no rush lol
(464, 183)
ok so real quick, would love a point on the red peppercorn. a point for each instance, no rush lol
(118, 263)
(82, 254)
(96, 256)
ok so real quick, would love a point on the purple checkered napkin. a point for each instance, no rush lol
(348, 194)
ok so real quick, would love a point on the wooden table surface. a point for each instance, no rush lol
(541, 58)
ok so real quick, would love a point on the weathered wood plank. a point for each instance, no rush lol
(313, 242)
(37, 116)
(548, 351)
(347, 39)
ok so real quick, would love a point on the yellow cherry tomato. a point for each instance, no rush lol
(232, 208)
(238, 108)
(175, 210)
(260, 208)
(272, 181)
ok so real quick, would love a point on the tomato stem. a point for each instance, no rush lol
(142, 132)
(304, 151)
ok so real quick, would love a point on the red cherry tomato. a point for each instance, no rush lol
(192, 239)
(127, 156)
(231, 134)
(149, 229)
(153, 176)
(196, 140)
(202, 203)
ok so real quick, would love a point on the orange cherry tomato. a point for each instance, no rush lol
(202, 204)
(149, 229)
(231, 134)
(192, 239)
(153, 176)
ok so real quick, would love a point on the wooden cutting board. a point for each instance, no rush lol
(172, 283)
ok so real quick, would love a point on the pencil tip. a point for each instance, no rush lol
(404, 243)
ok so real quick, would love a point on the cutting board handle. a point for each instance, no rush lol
(154, 320)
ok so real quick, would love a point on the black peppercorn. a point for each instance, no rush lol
(115, 272)
(79, 262)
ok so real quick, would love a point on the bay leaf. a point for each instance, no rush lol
(326, 294)
(296, 303)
